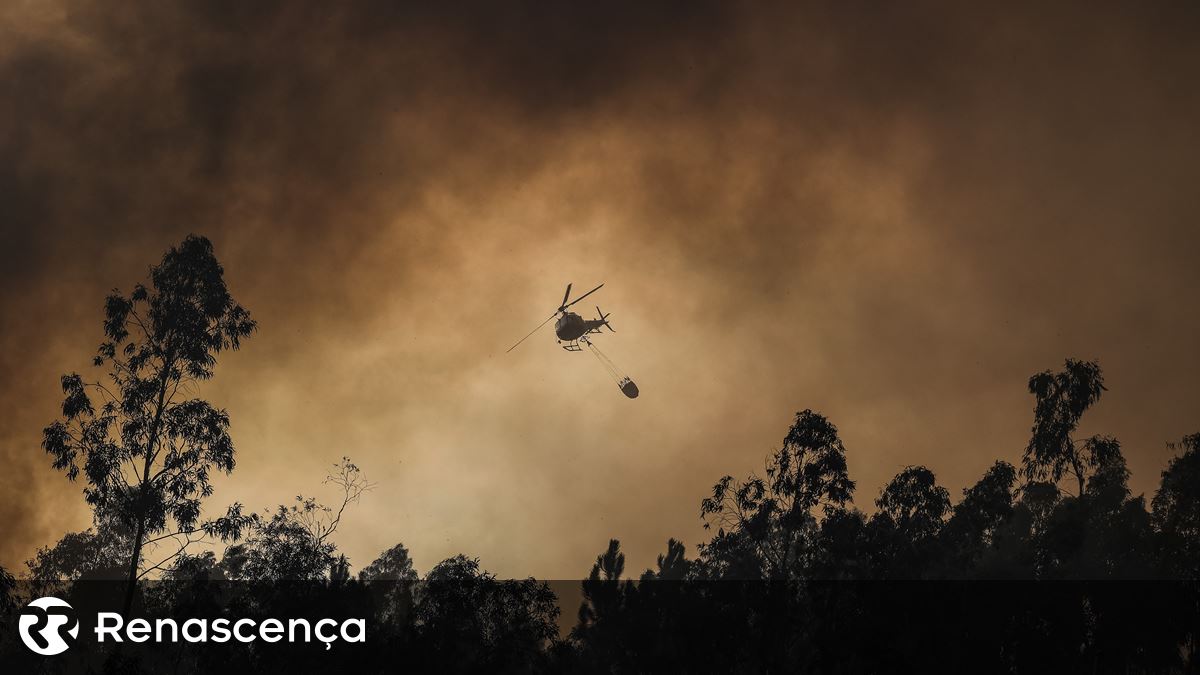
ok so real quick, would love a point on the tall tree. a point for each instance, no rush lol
(605, 618)
(1176, 509)
(148, 451)
(766, 518)
(915, 502)
(1061, 400)
(912, 511)
(603, 590)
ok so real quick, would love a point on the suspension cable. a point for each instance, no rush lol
(605, 362)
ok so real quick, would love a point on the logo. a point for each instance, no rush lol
(48, 626)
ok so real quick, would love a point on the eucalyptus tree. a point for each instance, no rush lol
(145, 445)
(763, 521)
(1061, 400)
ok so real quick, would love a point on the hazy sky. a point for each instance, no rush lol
(892, 216)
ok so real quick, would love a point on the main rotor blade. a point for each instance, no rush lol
(532, 332)
(565, 296)
(584, 295)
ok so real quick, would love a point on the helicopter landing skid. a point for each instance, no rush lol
(572, 346)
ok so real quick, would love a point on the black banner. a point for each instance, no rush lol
(648, 626)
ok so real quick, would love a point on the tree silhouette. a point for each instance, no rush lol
(1177, 510)
(672, 565)
(294, 542)
(339, 570)
(8, 584)
(1062, 398)
(762, 522)
(100, 554)
(603, 589)
(903, 533)
(8, 606)
(608, 621)
(147, 452)
(974, 528)
(393, 564)
(474, 622)
(393, 571)
(915, 503)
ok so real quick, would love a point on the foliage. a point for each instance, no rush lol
(146, 450)
(393, 564)
(1061, 400)
(294, 542)
(474, 622)
(1177, 510)
(86, 556)
(763, 522)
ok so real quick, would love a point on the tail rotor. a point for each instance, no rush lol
(604, 318)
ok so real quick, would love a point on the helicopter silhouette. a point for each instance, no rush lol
(570, 327)
(573, 329)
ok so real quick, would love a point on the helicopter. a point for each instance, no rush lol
(570, 326)
(572, 329)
